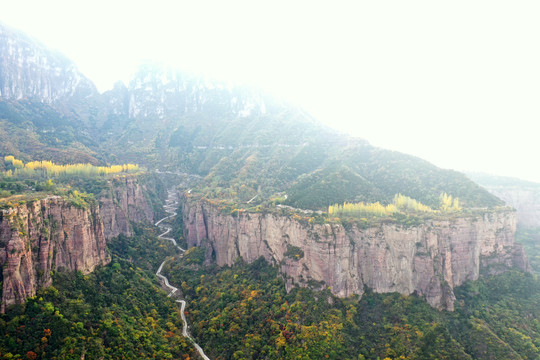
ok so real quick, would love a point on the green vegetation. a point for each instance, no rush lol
(143, 249)
(244, 312)
(366, 174)
(239, 158)
(194, 256)
(116, 312)
(76, 198)
(80, 200)
(244, 173)
(39, 131)
(498, 317)
(80, 184)
(294, 252)
(353, 175)
(330, 186)
(177, 232)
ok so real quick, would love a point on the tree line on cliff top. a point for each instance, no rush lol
(402, 204)
(316, 175)
(35, 169)
(46, 177)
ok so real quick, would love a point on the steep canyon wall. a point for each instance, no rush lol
(49, 234)
(124, 202)
(429, 259)
(46, 235)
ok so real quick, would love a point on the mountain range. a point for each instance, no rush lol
(168, 119)
(256, 178)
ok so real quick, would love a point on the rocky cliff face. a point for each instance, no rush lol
(430, 259)
(46, 235)
(51, 234)
(28, 70)
(158, 92)
(124, 203)
(526, 201)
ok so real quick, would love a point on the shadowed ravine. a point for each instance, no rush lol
(169, 207)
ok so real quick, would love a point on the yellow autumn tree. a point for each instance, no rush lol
(51, 169)
(448, 203)
(407, 204)
(400, 204)
(9, 159)
(361, 209)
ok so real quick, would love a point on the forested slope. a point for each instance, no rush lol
(244, 312)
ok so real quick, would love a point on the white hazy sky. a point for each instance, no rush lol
(454, 82)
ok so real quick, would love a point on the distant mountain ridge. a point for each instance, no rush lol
(29, 70)
(522, 195)
(245, 142)
(46, 103)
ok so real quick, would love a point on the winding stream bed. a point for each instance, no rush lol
(169, 207)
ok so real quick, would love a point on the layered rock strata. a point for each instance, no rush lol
(39, 237)
(124, 202)
(429, 259)
(51, 234)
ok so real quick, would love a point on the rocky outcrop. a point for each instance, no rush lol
(429, 259)
(526, 201)
(29, 70)
(124, 203)
(41, 236)
(158, 92)
(51, 234)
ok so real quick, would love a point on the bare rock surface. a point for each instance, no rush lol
(50, 234)
(39, 237)
(429, 259)
(124, 203)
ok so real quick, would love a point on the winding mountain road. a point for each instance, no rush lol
(169, 207)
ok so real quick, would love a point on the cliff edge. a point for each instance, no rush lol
(45, 235)
(124, 202)
(54, 233)
(429, 259)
